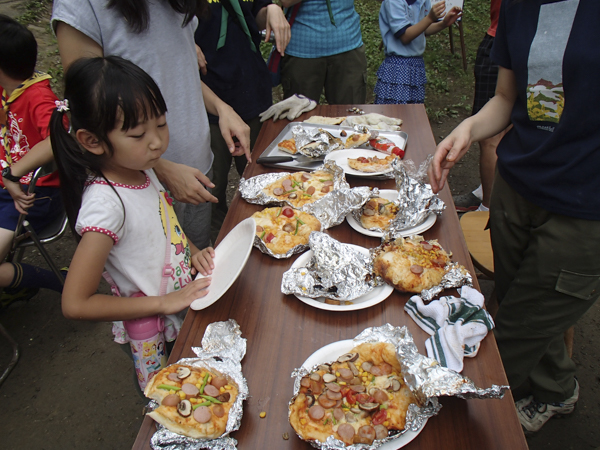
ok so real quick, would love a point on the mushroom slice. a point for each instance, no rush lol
(368, 406)
(184, 408)
(353, 368)
(348, 357)
(329, 378)
(396, 385)
(183, 372)
(315, 376)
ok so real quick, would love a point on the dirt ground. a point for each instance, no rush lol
(72, 387)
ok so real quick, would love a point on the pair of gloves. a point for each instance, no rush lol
(290, 108)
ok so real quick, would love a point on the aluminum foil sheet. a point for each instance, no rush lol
(331, 210)
(424, 376)
(357, 213)
(223, 349)
(315, 142)
(335, 270)
(455, 277)
(251, 189)
(416, 199)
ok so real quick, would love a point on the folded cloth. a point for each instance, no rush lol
(456, 325)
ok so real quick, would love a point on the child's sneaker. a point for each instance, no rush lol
(10, 296)
(534, 415)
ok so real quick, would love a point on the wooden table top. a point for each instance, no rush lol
(282, 332)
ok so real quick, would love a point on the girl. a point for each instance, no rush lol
(404, 24)
(119, 211)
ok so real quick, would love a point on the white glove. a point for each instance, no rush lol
(289, 108)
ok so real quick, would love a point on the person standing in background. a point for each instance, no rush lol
(232, 66)
(326, 52)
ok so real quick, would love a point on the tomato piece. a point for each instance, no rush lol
(362, 159)
(269, 237)
(363, 398)
(288, 212)
(351, 397)
(379, 417)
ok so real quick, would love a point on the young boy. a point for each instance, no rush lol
(27, 103)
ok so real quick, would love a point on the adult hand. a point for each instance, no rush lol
(185, 183)
(23, 201)
(232, 125)
(290, 108)
(448, 153)
(201, 60)
(437, 11)
(277, 23)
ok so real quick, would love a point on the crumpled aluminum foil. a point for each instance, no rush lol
(455, 277)
(223, 349)
(251, 189)
(364, 129)
(315, 142)
(424, 376)
(357, 213)
(330, 210)
(416, 199)
(335, 270)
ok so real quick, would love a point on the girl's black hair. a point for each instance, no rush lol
(100, 92)
(137, 15)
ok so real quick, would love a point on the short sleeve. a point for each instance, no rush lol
(500, 54)
(101, 213)
(397, 14)
(42, 110)
(80, 15)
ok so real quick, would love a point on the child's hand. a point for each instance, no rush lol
(179, 300)
(202, 261)
(452, 16)
(437, 11)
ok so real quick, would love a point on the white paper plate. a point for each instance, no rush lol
(230, 258)
(341, 159)
(331, 352)
(371, 298)
(392, 195)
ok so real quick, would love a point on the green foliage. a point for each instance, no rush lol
(34, 10)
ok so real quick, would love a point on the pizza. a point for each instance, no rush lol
(411, 264)
(193, 401)
(288, 146)
(357, 399)
(377, 213)
(357, 139)
(371, 164)
(300, 188)
(283, 228)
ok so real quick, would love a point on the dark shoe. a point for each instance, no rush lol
(10, 296)
(466, 202)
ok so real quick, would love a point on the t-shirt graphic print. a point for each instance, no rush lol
(545, 93)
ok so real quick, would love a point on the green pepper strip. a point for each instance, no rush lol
(206, 375)
(323, 181)
(297, 226)
(289, 192)
(295, 183)
(263, 234)
(211, 399)
(197, 405)
(300, 221)
(279, 212)
(169, 387)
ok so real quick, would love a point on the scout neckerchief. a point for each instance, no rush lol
(6, 102)
(233, 7)
(331, 19)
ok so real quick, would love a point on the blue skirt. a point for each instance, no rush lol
(401, 80)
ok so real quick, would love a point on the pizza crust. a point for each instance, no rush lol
(287, 232)
(371, 164)
(169, 417)
(411, 265)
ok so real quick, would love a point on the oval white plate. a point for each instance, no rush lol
(230, 258)
(341, 159)
(371, 298)
(330, 353)
(392, 195)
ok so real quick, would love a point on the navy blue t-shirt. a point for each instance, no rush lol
(551, 156)
(236, 74)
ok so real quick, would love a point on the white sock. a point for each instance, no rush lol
(482, 208)
(478, 193)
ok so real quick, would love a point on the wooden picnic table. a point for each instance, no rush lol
(282, 332)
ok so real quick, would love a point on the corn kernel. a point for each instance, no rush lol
(386, 423)
(303, 421)
(221, 389)
(193, 400)
(209, 380)
(172, 391)
(337, 374)
(198, 385)
(343, 383)
(228, 386)
(390, 396)
(263, 414)
(181, 395)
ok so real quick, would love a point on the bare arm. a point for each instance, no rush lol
(80, 301)
(420, 27)
(448, 20)
(491, 120)
(288, 3)
(73, 44)
(230, 123)
(271, 18)
(40, 154)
